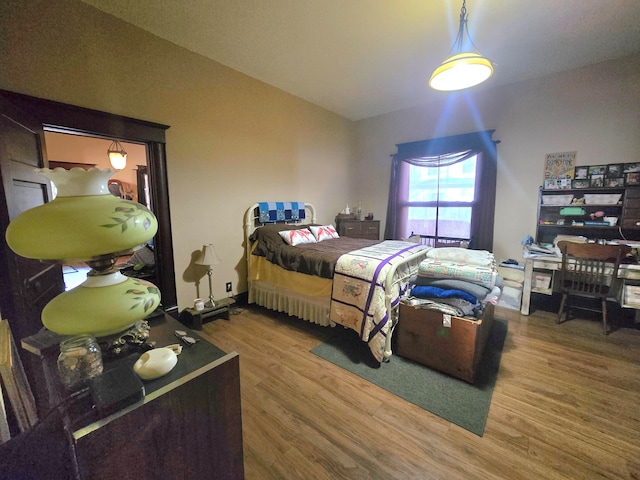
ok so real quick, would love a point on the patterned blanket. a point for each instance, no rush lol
(358, 299)
(486, 276)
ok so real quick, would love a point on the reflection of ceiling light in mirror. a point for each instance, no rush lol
(117, 155)
(463, 68)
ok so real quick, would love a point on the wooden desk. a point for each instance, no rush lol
(629, 273)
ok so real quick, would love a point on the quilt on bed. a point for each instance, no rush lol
(358, 296)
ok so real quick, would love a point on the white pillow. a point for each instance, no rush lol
(296, 237)
(324, 232)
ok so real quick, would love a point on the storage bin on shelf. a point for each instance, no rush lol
(557, 199)
(602, 198)
(631, 296)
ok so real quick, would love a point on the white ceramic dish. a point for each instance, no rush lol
(155, 363)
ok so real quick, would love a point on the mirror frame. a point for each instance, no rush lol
(61, 117)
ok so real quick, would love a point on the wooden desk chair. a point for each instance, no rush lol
(588, 270)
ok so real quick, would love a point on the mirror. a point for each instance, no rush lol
(71, 120)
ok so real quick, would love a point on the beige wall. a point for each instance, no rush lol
(233, 140)
(594, 111)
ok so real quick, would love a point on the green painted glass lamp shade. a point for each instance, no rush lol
(102, 305)
(83, 222)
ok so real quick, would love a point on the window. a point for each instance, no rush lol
(444, 188)
(440, 200)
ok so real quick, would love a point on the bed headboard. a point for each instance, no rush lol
(253, 220)
(279, 212)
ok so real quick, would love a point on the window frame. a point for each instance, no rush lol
(438, 204)
(453, 149)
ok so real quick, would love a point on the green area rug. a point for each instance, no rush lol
(454, 400)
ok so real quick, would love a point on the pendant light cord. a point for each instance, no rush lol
(458, 43)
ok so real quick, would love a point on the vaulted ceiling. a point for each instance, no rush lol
(362, 58)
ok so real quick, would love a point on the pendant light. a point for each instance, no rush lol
(117, 155)
(463, 68)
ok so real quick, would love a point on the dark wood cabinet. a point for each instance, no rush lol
(188, 425)
(351, 227)
(631, 208)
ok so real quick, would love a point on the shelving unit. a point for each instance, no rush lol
(582, 212)
(554, 219)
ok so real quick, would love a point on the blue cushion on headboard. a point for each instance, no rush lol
(281, 211)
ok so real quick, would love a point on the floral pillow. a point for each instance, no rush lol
(296, 237)
(324, 232)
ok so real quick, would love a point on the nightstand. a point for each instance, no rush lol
(193, 317)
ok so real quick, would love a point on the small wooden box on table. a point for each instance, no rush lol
(193, 317)
(455, 350)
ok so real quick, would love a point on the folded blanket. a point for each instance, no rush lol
(432, 305)
(478, 291)
(481, 258)
(486, 276)
(435, 292)
(467, 308)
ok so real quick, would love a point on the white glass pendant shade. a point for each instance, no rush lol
(83, 222)
(117, 155)
(101, 306)
(118, 160)
(460, 71)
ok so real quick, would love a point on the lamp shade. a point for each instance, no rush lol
(463, 68)
(83, 222)
(101, 306)
(208, 256)
(460, 71)
(117, 155)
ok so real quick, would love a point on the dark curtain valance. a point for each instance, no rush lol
(446, 151)
(445, 145)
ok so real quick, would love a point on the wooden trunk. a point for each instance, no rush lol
(456, 350)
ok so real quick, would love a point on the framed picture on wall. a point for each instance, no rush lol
(632, 178)
(631, 167)
(596, 181)
(597, 170)
(581, 173)
(551, 184)
(559, 167)
(615, 170)
(614, 182)
(580, 183)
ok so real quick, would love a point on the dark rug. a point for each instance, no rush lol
(454, 400)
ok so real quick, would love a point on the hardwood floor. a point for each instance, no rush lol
(566, 406)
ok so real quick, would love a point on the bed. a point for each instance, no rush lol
(352, 282)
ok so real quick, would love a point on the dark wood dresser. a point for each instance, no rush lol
(188, 425)
(349, 226)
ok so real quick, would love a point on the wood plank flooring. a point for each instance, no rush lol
(566, 406)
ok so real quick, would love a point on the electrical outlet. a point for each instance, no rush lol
(229, 287)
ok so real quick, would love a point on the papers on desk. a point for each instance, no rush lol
(631, 243)
(535, 250)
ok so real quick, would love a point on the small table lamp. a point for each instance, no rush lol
(208, 257)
